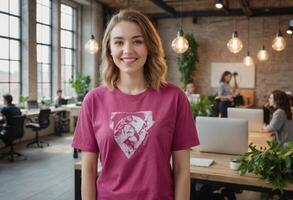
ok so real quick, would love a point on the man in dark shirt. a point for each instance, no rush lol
(9, 110)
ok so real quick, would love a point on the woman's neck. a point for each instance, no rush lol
(131, 84)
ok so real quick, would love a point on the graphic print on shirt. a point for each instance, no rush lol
(131, 129)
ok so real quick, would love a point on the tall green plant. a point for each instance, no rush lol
(188, 60)
(80, 84)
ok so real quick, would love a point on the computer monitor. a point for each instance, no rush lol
(222, 135)
(254, 117)
(63, 101)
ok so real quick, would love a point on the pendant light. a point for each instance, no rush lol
(279, 43)
(219, 4)
(180, 43)
(262, 54)
(92, 45)
(235, 44)
(248, 60)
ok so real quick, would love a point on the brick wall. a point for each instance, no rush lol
(212, 35)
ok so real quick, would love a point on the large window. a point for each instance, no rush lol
(68, 50)
(10, 43)
(44, 48)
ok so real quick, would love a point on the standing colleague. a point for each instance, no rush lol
(135, 123)
(225, 93)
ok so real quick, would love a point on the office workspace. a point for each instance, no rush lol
(163, 78)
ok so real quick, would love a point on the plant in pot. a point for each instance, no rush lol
(81, 85)
(273, 163)
(187, 61)
(203, 107)
(21, 101)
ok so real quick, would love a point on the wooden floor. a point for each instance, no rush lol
(48, 173)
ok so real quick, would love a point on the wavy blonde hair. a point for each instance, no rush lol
(155, 67)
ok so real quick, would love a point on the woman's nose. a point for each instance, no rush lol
(127, 47)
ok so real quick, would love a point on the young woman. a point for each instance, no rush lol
(135, 123)
(225, 93)
(281, 123)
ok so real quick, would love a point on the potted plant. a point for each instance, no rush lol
(188, 60)
(21, 101)
(81, 85)
(203, 106)
(273, 164)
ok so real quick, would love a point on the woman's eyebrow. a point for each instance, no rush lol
(134, 37)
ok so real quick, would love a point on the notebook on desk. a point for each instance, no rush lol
(201, 162)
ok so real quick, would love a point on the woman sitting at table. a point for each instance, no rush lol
(281, 124)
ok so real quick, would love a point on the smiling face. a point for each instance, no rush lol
(228, 78)
(128, 48)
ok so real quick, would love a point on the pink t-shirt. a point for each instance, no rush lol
(135, 136)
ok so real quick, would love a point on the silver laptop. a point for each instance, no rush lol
(254, 117)
(222, 135)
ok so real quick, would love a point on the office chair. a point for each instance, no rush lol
(11, 133)
(41, 122)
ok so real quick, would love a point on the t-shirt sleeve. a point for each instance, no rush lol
(221, 89)
(278, 119)
(84, 135)
(185, 134)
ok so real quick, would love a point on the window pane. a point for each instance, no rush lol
(4, 71)
(43, 54)
(13, 6)
(46, 73)
(66, 9)
(43, 34)
(43, 14)
(14, 50)
(68, 57)
(44, 2)
(4, 88)
(14, 71)
(15, 90)
(4, 5)
(40, 78)
(66, 39)
(66, 21)
(68, 91)
(68, 73)
(14, 27)
(46, 90)
(4, 25)
(4, 48)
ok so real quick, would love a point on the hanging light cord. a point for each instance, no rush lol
(91, 17)
(248, 34)
(263, 42)
(181, 14)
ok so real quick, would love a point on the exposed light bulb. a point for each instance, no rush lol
(262, 54)
(92, 45)
(289, 31)
(235, 44)
(219, 4)
(248, 60)
(180, 44)
(279, 43)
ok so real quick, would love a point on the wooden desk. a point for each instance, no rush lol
(219, 174)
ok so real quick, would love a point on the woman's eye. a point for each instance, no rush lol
(118, 43)
(137, 42)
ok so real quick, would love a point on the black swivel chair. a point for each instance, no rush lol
(12, 132)
(41, 122)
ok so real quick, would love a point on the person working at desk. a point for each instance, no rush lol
(281, 123)
(59, 101)
(136, 122)
(225, 93)
(9, 110)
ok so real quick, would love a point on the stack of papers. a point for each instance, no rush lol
(202, 162)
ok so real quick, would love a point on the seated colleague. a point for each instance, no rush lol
(281, 123)
(225, 93)
(9, 110)
(190, 89)
(59, 99)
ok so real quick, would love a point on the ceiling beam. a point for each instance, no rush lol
(245, 7)
(232, 12)
(170, 10)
